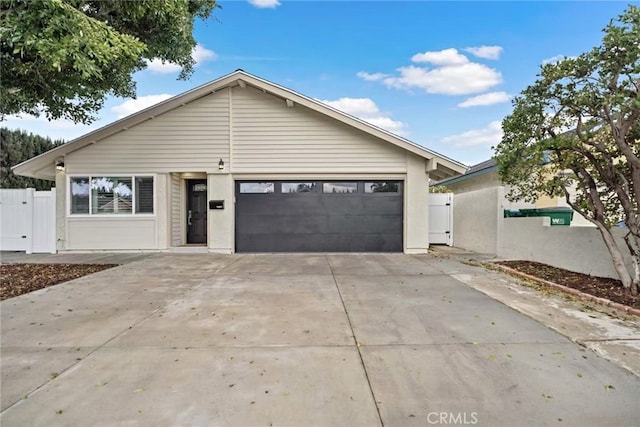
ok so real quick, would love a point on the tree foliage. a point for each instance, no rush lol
(16, 146)
(577, 127)
(61, 58)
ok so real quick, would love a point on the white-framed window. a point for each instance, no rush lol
(111, 195)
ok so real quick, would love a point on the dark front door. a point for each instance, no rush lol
(197, 211)
(319, 216)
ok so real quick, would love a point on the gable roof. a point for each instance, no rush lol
(475, 170)
(43, 166)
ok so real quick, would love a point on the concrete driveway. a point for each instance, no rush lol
(295, 340)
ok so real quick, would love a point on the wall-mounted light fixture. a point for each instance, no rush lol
(60, 165)
(220, 165)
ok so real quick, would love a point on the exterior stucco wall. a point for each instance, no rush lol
(476, 217)
(476, 183)
(578, 249)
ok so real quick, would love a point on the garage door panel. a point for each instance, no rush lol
(324, 243)
(285, 224)
(383, 205)
(364, 224)
(318, 222)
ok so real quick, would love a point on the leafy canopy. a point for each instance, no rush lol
(577, 127)
(575, 133)
(61, 58)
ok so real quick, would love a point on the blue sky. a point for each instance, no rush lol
(438, 73)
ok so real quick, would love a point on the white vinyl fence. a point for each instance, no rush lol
(441, 219)
(28, 220)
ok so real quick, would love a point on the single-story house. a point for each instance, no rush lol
(241, 164)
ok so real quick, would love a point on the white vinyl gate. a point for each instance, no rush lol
(441, 219)
(28, 220)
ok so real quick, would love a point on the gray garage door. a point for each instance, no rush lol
(319, 216)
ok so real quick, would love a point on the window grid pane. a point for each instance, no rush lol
(256, 187)
(80, 195)
(339, 187)
(111, 195)
(298, 187)
(381, 187)
(144, 194)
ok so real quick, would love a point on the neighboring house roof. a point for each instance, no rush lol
(473, 171)
(42, 166)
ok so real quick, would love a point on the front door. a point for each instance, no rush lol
(197, 211)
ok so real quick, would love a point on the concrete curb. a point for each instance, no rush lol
(579, 294)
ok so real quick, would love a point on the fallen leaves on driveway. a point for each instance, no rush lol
(18, 279)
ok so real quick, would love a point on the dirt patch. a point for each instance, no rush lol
(18, 279)
(602, 287)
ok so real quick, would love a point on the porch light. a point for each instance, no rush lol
(60, 165)
(220, 165)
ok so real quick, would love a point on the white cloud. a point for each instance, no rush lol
(202, 54)
(448, 72)
(489, 135)
(161, 67)
(265, 4)
(441, 57)
(449, 80)
(131, 106)
(486, 52)
(199, 54)
(371, 77)
(555, 59)
(367, 110)
(485, 99)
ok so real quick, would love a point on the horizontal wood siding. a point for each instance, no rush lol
(268, 137)
(176, 222)
(190, 138)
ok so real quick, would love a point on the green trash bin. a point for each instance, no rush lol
(558, 216)
(509, 213)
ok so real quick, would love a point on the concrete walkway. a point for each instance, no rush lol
(295, 340)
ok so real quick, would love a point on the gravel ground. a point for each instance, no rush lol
(18, 279)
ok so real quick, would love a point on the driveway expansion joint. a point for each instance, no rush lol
(357, 344)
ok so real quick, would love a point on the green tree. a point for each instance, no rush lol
(439, 189)
(16, 146)
(578, 127)
(61, 58)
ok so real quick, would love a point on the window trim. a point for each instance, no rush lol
(133, 213)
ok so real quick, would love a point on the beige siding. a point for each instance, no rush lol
(107, 233)
(268, 136)
(176, 209)
(190, 138)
